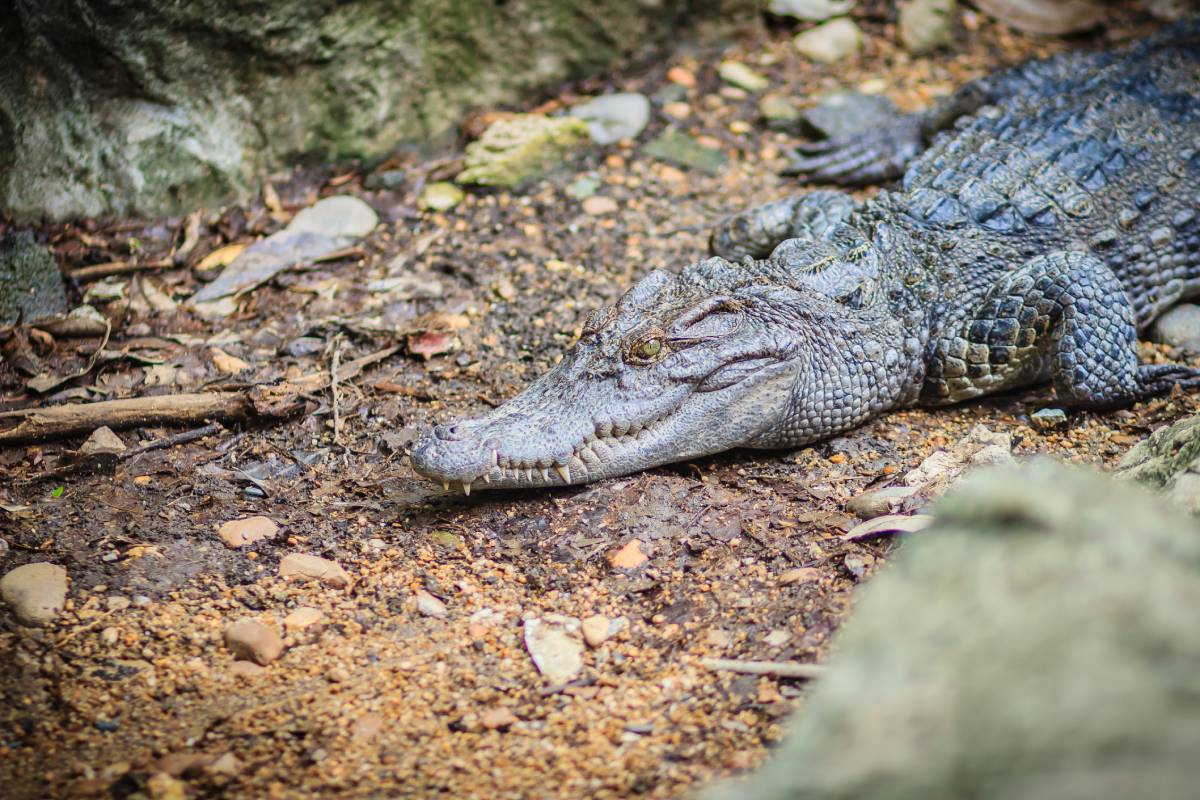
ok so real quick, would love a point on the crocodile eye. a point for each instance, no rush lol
(647, 350)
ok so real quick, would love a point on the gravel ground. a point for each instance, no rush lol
(415, 680)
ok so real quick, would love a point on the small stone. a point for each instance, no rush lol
(630, 556)
(102, 440)
(681, 76)
(926, 25)
(717, 638)
(227, 364)
(252, 640)
(227, 764)
(830, 42)
(302, 618)
(246, 670)
(582, 188)
(740, 75)
(879, 502)
(35, 592)
(440, 196)
(366, 727)
(516, 150)
(778, 111)
(248, 530)
(858, 565)
(557, 654)
(810, 10)
(338, 675)
(840, 115)
(116, 603)
(497, 718)
(337, 216)
(596, 630)
(798, 575)
(777, 638)
(678, 109)
(430, 606)
(1179, 327)
(302, 565)
(598, 205)
(614, 117)
(1048, 419)
(109, 636)
(161, 786)
(682, 150)
(176, 764)
(385, 180)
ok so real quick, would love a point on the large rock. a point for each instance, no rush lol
(142, 107)
(1168, 461)
(35, 592)
(1039, 641)
(30, 283)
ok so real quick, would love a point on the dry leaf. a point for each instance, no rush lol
(221, 257)
(432, 343)
(891, 523)
(230, 365)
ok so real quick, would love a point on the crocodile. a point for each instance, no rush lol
(1044, 216)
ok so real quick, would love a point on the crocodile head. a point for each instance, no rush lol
(718, 357)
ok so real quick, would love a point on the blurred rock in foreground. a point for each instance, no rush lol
(1039, 641)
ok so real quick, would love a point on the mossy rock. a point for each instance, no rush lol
(515, 151)
(30, 282)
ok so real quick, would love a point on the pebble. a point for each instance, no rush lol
(717, 638)
(740, 75)
(778, 110)
(386, 179)
(879, 502)
(841, 114)
(681, 76)
(109, 636)
(1048, 419)
(367, 727)
(340, 215)
(102, 440)
(302, 617)
(582, 188)
(338, 675)
(227, 764)
(161, 786)
(798, 575)
(240, 532)
(247, 670)
(252, 640)
(117, 602)
(1179, 327)
(777, 638)
(680, 149)
(430, 606)
(614, 117)
(926, 25)
(556, 652)
(520, 148)
(35, 592)
(302, 565)
(440, 196)
(599, 205)
(596, 630)
(810, 10)
(830, 42)
(678, 109)
(497, 718)
(630, 556)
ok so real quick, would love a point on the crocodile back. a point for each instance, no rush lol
(1100, 154)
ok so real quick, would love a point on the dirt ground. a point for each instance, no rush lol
(741, 555)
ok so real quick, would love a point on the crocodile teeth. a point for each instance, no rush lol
(466, 487)
(545, 476)
(529, 475)
(487, 478)
(496, 457)
(446, 485)
(564, 472)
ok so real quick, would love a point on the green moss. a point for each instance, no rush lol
(514, 151)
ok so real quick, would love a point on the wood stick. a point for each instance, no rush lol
(117, 268)
(784, 669)
(36, 424)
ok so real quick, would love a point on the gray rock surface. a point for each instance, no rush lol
(136, 107)
(1039, 641)
(1179, 327)
(30, 283)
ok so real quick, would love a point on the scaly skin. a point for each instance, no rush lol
(1029, 245)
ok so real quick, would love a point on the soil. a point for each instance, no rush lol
(134, 690)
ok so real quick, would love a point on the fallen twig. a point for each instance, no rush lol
(334, 362)
(784, 669)
(117, 268)
(260, 402)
